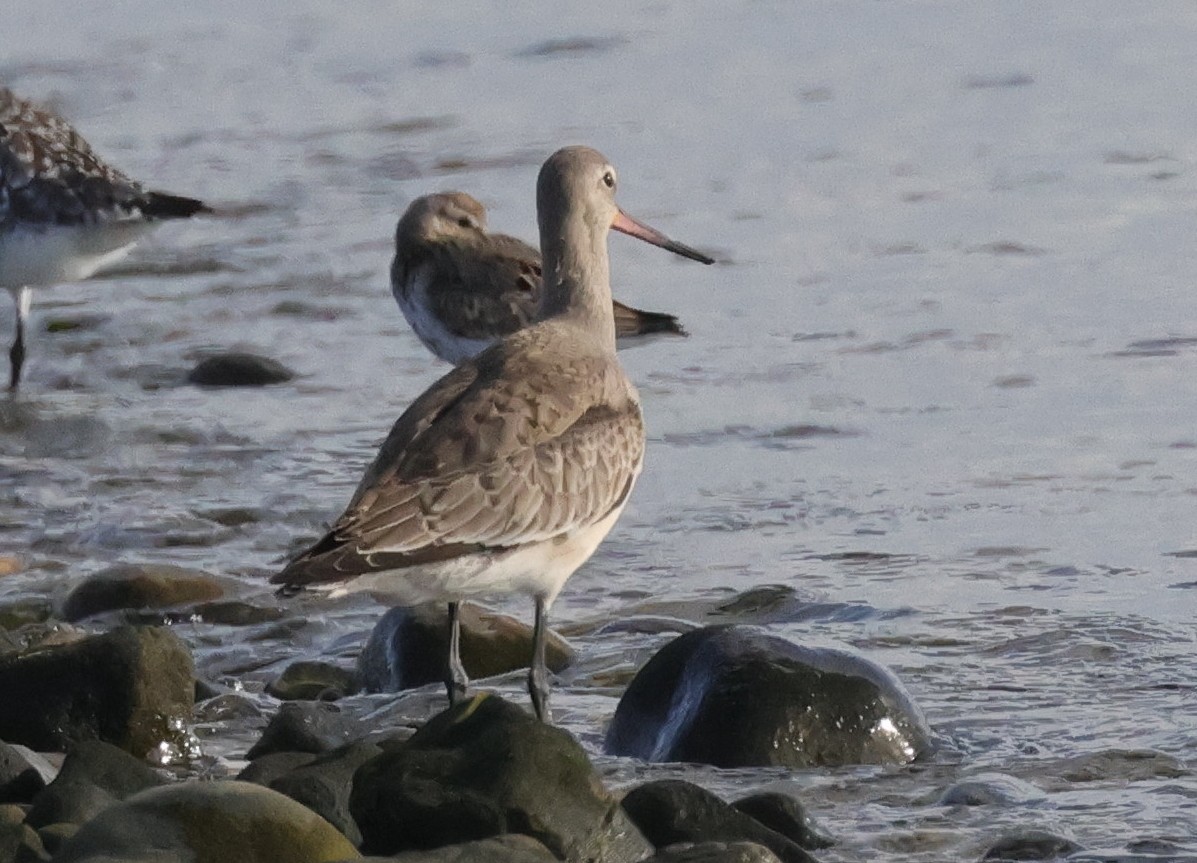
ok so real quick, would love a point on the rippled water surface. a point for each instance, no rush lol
(941, 389)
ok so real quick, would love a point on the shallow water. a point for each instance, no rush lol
(941, 386)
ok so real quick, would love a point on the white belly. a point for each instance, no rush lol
(539, 569)
(48, 254)
(431, 330)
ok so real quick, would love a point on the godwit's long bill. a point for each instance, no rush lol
(504, 476)
(462, 288)
(64, 212)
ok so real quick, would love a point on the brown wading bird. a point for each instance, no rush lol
(504, 476)
(462, 288)
(64, 213)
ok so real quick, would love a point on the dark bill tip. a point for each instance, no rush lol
(625, 224)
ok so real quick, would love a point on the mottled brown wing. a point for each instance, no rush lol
(496, 283)
(500, 465)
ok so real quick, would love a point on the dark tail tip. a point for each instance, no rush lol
(630, 323)
(659, 322)
(159, 205)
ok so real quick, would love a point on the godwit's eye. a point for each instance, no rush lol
(609, 180)
(465, 222)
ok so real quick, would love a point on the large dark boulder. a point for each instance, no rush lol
(323, 785)
(484, 768)
(207, 822)
(128, 687)
(669, 811)
(409, 645)
(94, 776)
(734, 696)
(139, 586)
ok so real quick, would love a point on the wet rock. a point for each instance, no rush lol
(786, 815)
(670, 811)
(509, 848)
(307, 726)
(23, 773)
(235, 369)
(990, 788)
(484, 768)
(139, 586)
(128, 687)
(323, 785)
(34, 635)
(1031, 845)
(715, 852)
(734, 696)
(310, 680)
(94, 776)
(234, 612)
(408, 646)
(54, 836)
(264, 770)
(207, 821)
(19, 843)
(32, 609)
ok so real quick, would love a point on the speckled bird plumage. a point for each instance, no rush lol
(64, 212)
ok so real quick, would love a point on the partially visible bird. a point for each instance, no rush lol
(64, 212)
(463, 288)
(506, 474)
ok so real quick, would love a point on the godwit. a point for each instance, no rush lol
(64, 212)
(462, 288)
(504, 476)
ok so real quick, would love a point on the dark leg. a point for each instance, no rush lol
(455, 675)
(538, 675)
(16, 354)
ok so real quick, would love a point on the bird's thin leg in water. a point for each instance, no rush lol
(538, 675)
(16, 354)
(455, 676)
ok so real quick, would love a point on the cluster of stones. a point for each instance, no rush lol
(80, 713)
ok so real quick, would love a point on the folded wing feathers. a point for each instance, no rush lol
(544, 465)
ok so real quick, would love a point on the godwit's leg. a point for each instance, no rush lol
(456, 679)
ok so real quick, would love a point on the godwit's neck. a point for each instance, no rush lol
(577, 280)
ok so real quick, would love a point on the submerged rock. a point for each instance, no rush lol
(734, 696)
(485, 768)
(207, 821)
(312, 680)
(128, 687)
(1031, 845)
(238, 369)
(409, 645)
(138, 586)
(670, 811)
